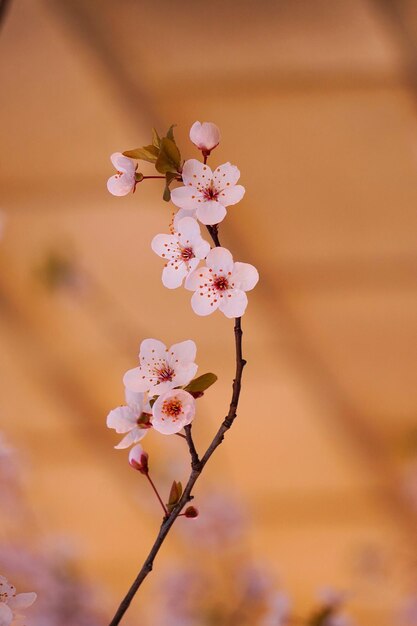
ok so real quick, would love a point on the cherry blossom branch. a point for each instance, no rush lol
(196, 471)
(195, 461)
(157, 493)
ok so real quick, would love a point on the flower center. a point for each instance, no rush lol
(211, 193)
(172, 408)
(164, 373)
(221, 283)
(187, 254)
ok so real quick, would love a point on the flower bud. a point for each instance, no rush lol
(191, 512)
(138, 459)
(205, 136)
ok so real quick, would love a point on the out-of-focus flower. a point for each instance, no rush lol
(172, 411)
(132, 418)
(182, 251)
(11, 603)
(207, 192)
(279, 612)
(124, 181)
(221, 285)
(162, 369)
(206, 136)
(138, 459)
(408, 612)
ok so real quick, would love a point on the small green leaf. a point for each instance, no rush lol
(201, 383)
(170, 133)
(167, 194)
(156, 140)
(174, 495)
(169, 158)
(147, 153)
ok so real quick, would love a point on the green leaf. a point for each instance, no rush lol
(169, 158)
(170, 133)
(174, 495)
(167, 194)
(147, 153)
(200, 384)
(156, 140)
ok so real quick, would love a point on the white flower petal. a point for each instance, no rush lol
(123, 163)
(184, 375)
(122, 419)
(188, 230)
(211, 212)
(135, 399)
(196, 174)
(231, 195)
(202, 304)
(245, 276)
(120, 185)
(220, 261)
(196, 278)
(186, 197)
(165, 246)
(234, 304)
(174, 274)
(225, 176)
(6, 615)
(183, 213)
(22, 601)
(132, 437)
(136, 380)
(201, 250)
(151, 349)
(205, 136)
(183, 353)
(136, 454)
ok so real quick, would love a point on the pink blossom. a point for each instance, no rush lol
(221, 284)
(207, 192)
(11, 603)
(162, 369)
(205, 136)
(172, 411)
(130, 419)
(124, 181)
(182, 251)
(138, 459)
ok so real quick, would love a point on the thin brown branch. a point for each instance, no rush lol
(197, 467)
(195, 461)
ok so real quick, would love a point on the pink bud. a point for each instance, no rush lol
(205, 136)
(138, 459)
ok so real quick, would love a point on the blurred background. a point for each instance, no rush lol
(317, 483)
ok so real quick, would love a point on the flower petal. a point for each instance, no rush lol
(136, 379)
(225, 176)
(183, 353)
(182, 213)
(187, 230)
(211, 212)
(186, 197)
(202, 304)
(231, 195)
(22, 601)
(165, 246)
(173, 274)
(196, 174)
(123, 163)
(151, 349)
(234, 305)
(120, 184)
(196, 278)
(132, 437)
(122, 419)
(220, 260)
(245, 276)
(6, 615)
(183, 375)
(135, 399)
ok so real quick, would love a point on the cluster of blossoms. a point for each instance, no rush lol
(12, 603)
(204, 197)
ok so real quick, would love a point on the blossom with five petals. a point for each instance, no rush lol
(205, 136)
(221, 284)
(132, 418)
(172, 411)
(207, 192)
(182, 251)
(11, 603)
(124, 181)
(162, 369)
